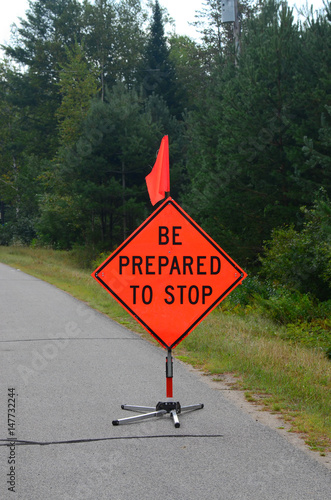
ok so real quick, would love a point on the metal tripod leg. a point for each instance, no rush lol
(174, 415)
(136, 418)
(138, 408)
(192, 407)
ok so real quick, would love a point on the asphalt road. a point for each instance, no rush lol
(69, 369)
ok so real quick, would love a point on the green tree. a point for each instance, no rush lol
(39, 47)
(78, 85)
(158, 70)
(100, 179)
(31, 95)
(318, 163)
(187, 58)
(246, 161)
(8, 153)
(114, 39)
(17, 185)
(301, 260)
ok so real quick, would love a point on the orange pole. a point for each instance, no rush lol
(169, 387)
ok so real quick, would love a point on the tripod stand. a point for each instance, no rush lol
(172, 407)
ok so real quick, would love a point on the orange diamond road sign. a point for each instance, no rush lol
(169, 274)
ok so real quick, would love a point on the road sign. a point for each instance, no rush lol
(169, 274)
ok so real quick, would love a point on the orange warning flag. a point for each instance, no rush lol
(158, 181)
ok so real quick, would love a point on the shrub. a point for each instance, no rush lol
(20, 231)
(6, 234)
(301, 260)
(286, 306)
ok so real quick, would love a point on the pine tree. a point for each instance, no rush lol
(114, 39)
(39, 48)
(78, 85)
(159, 73)
(18, 183)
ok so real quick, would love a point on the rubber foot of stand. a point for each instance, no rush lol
(115, 422)
(177, 425)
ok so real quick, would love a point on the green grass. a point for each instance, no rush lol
(297, 379)
(288, 379)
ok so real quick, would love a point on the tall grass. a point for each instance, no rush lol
(296, 379)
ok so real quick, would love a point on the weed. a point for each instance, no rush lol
(250, 397)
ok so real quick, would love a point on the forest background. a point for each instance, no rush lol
(87, 91)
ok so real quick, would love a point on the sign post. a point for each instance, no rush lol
(169, 275)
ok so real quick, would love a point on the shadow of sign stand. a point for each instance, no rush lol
(169, 275)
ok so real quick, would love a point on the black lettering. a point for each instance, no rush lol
(206, 292)
(124, 261)
(187, 263)
(163, 262)
(174, 265)
(134, 288)
(175, 235)
(163, 235)
(181, 288)
(146, 294)
(149, 264)
(200, 264)
(136, 262)
(217, 268)
(190, 299)
(143, 295)
(172, 298)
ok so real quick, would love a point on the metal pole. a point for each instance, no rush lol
(169, 374)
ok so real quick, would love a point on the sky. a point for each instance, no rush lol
(182, 11)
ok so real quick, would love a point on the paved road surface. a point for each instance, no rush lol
(71, 368)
